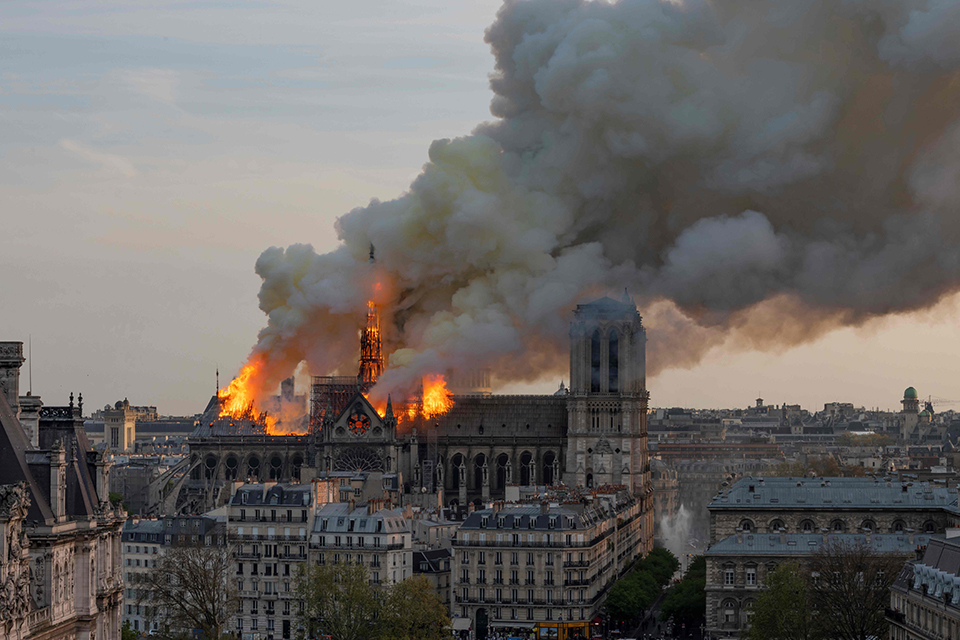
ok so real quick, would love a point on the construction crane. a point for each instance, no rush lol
(941, 402)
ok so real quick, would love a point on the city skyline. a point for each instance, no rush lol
(149, 169)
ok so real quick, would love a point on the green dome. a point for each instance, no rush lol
(910, 393)
(924, 414)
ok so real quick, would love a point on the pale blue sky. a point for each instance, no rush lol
(149, 153)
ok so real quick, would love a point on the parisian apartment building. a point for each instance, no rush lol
(268, 528)
(543, 567)
(143, 543)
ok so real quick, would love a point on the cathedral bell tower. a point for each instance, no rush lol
(607, 401)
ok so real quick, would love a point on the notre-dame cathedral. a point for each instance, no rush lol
(591, 434)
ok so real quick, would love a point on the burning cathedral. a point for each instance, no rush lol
(465, 446)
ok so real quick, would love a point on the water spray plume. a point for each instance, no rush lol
(756, 172)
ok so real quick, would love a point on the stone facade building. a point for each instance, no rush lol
(925, 598)
(371, 534)
(840, 505)
(756, 523)
(60, 551)
(543, 567)
(587, 435)
(143, 542)
(738, 567)
(268, 527)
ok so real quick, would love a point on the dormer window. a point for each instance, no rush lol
(243, 498)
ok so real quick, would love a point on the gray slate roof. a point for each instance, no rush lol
(336, 517)
(518, 519)
(289, 495)
(832, 493)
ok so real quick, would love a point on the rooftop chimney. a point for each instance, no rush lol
(544, 508)
(11, 358)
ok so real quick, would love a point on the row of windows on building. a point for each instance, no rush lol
(269, 588)
(498, 557)
(274, 551)
(269, 569)
(571, 577)
(149, 550)
(837, 525)
(135, 562)
(262, 516)
(549, 614)
(347, 541)
(348, 558)
(270, 608)
(499, 595)
(516, 539)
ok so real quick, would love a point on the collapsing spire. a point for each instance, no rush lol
(371, 357)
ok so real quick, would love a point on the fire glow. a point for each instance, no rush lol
(437, 400)
(237, 401)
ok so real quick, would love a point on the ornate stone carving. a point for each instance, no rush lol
(603, 446)
(14, 500)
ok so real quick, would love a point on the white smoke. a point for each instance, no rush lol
(755, 171)
(675, 532)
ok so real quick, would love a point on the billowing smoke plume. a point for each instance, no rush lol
(755, 171)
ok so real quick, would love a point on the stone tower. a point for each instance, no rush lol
(607, 401)
(910, 415)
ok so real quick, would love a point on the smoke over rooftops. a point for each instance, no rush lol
(754, 171)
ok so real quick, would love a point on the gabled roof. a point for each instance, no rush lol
(13, 462)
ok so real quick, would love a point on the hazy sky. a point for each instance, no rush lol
(150, 152)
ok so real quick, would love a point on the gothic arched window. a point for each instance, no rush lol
(613, 362)
(595, 362)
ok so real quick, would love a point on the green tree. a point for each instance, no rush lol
(631, 595)
(686, 601)
(413, 611)
(127, 632)
(782, 611)
(339, 601)
(661, 564)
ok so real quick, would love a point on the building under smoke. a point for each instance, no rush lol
(591, 434)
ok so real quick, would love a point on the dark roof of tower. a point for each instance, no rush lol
(13, 462)
(65, 424)
(607, 306)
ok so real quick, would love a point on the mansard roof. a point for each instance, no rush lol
(65, 424)
(282, 495)
(833, 494)
(13, 462)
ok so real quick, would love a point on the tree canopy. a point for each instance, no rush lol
(339, 601)
(686, 602)
(190, 589)
(781, 611)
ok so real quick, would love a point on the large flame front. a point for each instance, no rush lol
(436, 399)
(237, 401)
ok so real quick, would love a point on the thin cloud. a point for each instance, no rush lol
(106, 160)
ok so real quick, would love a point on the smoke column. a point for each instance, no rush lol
(755, 172)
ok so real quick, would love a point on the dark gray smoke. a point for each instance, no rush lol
(755, 171)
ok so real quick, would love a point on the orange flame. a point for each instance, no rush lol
(237, 401)
(437, 400)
